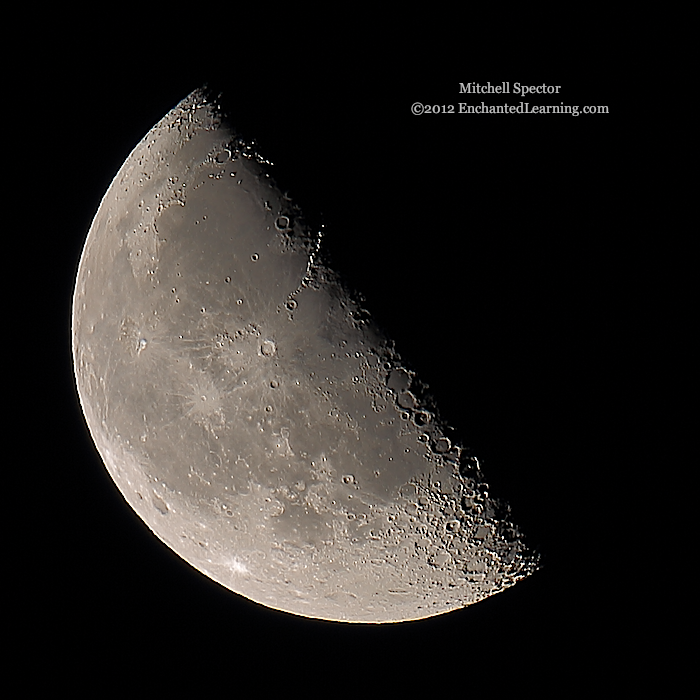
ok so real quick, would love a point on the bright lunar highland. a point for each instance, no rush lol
(251, 411)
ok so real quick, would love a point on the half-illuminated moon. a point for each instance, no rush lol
(252, 413)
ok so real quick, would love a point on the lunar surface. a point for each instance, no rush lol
(250, 410)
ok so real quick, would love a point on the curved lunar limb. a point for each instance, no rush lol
(250, 410)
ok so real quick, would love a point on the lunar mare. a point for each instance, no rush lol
(252, 413)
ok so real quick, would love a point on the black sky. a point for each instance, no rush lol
(489, 246)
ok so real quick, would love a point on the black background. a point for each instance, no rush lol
(493, 250)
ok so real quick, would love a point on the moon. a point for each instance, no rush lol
(252, 412)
